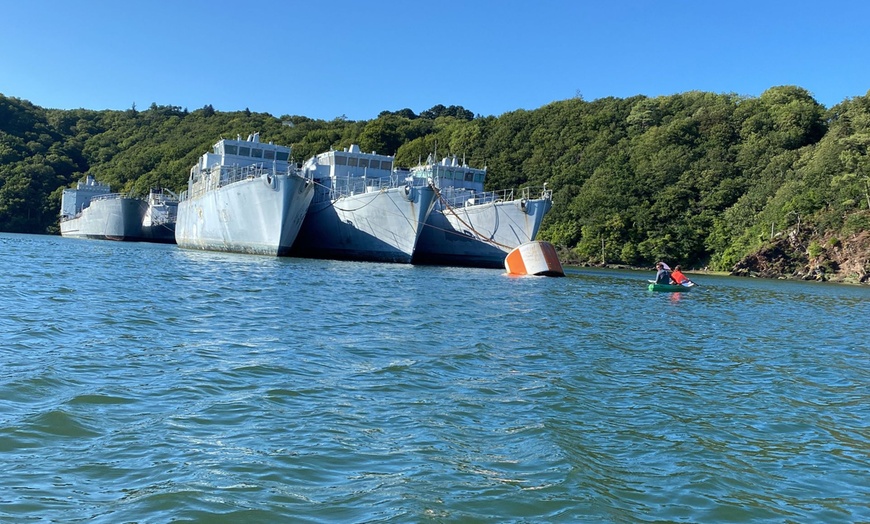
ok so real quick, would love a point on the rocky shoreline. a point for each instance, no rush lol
(792, 257)
(810, 257)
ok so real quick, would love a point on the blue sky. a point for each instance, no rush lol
(325, 59)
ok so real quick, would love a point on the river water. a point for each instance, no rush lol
(146, 383)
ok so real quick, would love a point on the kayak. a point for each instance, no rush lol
(674, 288)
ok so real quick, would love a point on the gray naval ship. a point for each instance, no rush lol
(363, 209)
(243, 197)
(91, 210)
(472, 227)
(161, 214)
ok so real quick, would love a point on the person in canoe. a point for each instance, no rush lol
(663, 276)
(679, 278)
(677, 275)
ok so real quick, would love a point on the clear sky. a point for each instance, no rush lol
(328, 58)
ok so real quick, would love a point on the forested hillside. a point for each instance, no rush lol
(773, 185)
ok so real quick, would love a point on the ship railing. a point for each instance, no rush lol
(230, 174)
(220, 176)
(545, 194)
(533, 192)
(345, 186)
(460, 197)
(110, 196)
(160, 195)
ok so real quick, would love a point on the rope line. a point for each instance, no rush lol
(381, 191)
(470, 228)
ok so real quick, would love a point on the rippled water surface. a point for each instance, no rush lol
(145, 383)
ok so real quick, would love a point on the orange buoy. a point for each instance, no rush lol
(534, 258)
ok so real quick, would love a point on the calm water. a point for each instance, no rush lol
(144, 383)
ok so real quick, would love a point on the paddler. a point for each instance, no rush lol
(678, 275)
(679, 278)
(663, 276)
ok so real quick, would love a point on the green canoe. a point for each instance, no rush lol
(668, 287)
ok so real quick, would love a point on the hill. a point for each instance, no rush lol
(702, 179)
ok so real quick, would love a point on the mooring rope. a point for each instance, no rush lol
(470, 228)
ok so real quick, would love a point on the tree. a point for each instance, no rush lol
(381, 135)
(454, 111)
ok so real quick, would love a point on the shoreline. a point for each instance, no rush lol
(825, 278)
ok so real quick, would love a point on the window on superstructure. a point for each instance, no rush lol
(244, 151)
(231, 150)
(257, 153)
(363, 162)
(269, 154)
(374, 164)
(386, 164)
(352, 161)
(340, 160)
(478, 177)
(281, 156)
(469, 176)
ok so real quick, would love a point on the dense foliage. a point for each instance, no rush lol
(697, 178)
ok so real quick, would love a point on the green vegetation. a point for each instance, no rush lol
(696, 178)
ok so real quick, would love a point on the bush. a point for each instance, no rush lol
(856, 223)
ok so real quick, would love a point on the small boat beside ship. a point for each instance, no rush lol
(472, 227)
(363, 208)
(243, 197)
(91, 210)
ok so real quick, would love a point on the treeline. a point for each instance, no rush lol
(697, 178)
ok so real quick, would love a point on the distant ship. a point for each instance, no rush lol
(91, 210)
(161, 213)
(243, 197)
(363, 209)
(472, 227)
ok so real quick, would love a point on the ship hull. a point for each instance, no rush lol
(108, 219)
(259, 215)
(479, 235)
(378, 226)
(159, 233)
